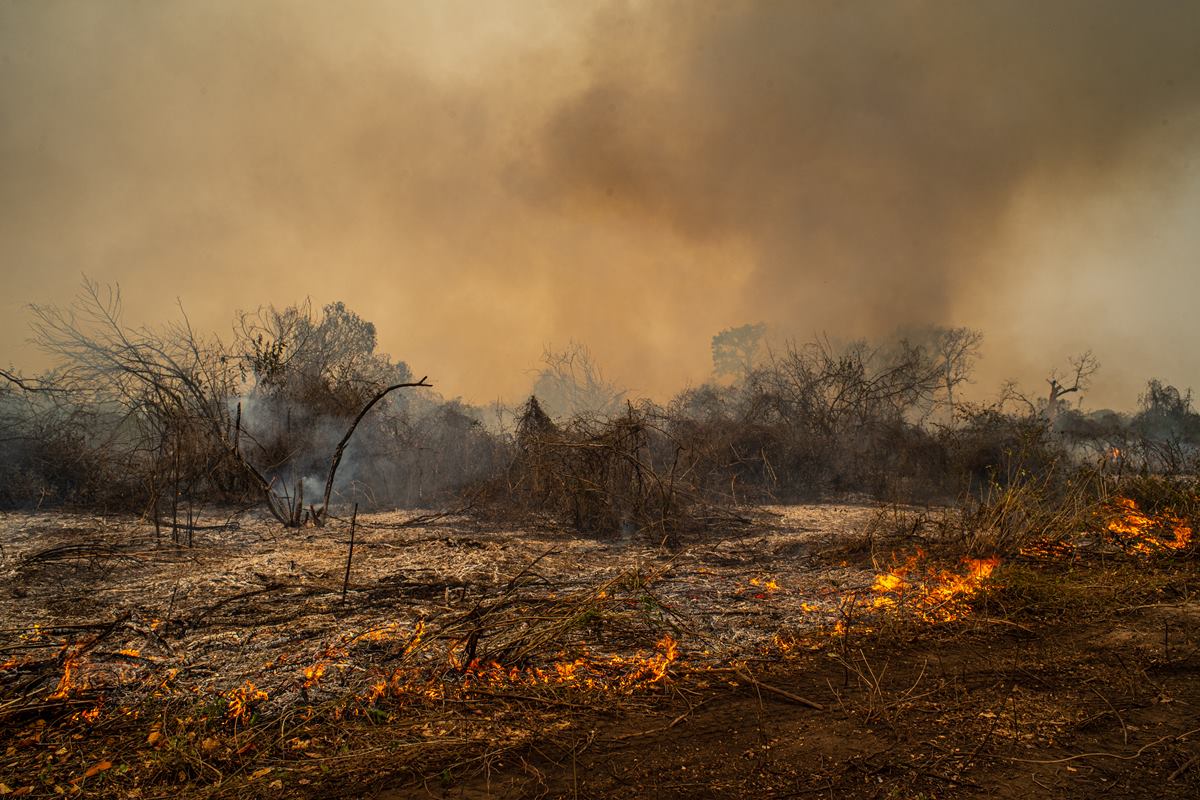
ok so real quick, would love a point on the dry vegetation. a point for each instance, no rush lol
(210, 592)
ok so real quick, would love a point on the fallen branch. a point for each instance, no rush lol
(784, 693)
(1136, 755)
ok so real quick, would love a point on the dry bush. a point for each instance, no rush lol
(622, 475)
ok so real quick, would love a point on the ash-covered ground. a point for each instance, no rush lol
(251, 601)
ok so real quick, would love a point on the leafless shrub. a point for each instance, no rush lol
(621, 475)
(571, 384)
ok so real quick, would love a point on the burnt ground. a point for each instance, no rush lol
(1069, 677)
(1078, 710)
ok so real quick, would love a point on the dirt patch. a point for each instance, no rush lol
(1062, 711)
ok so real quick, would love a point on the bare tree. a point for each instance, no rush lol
(855, 386)
(1083, 367)
(570, 383)
(28, 384)
(956, 350)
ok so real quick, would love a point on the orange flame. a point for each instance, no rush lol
(241, 701)
(935, 595)
(13, 663)
(614, 673)
(313, 674)
(67, 683)
(1048, 549)
(1139, 532)
(768, 584)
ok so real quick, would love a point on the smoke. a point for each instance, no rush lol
(480, 179)
(867, 152)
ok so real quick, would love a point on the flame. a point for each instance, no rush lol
(1139, 532)
(67, 683)
(313, 674)
(616, 673)
(933, 595)
(1048, 549)
(668, 652)
(89, 716)
(377, 690)
(13, 663)
(384, 634)
(415, 640)
(330, 655)
(241, 701)
(768, 584)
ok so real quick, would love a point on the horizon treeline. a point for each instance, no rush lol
(146, 419)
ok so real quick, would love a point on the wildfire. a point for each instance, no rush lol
(933, 595)
(68, 682)
(1139, 532)
(614, 673)
(241, 701)
(313, 674)
(766, 584)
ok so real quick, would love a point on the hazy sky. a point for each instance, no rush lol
(484, 178)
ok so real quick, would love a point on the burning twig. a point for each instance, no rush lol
(1136, 530)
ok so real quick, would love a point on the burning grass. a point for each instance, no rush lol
(1147, 534)
(931, 594)
(235, 669)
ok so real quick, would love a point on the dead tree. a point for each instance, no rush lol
(318, 515)
(1083, 367)
(956, 350)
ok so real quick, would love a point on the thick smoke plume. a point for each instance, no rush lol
(484, 179)
(866, 151)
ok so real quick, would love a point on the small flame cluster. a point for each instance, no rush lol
(1145, 534)
(766, 586)
(69, 682)
(933, 595)
(313, 674)
(241, 701)
(613, 673)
